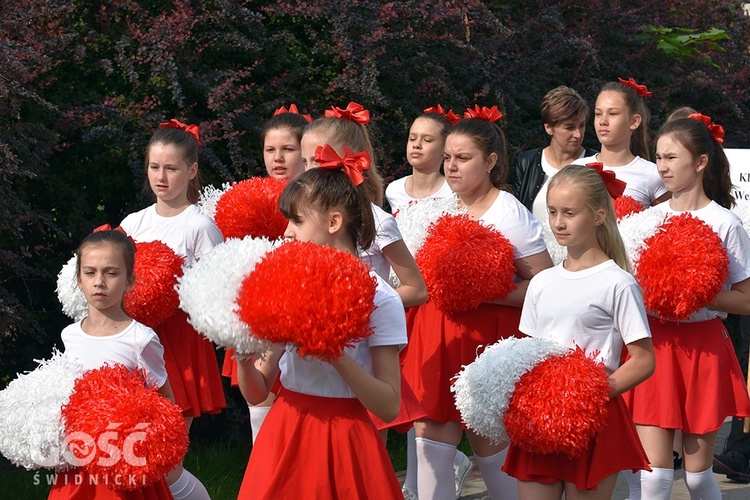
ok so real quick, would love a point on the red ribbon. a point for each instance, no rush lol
(488, 114)
(717, 131)
(615, 187)
(119, 229)
(352, 164)
(641, 90)
(190, 129)
(449, 115)
(354, 112)
(292, 109)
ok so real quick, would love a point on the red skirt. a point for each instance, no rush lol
(697, 382)
(409, 412)
(191, 367)
(439, 347)
(616, 447)
(316, 447)
(229, 367)
(77, 484)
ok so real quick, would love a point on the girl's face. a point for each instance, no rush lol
(572, 221)
(310, 225)
(168, 173)
(424, 149)
(613, 121)
(679, 171)
(467, 169)
(567, 136)
(310, 141)
(282, 154)
(103, 276)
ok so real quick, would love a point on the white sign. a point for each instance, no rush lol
(739, 171)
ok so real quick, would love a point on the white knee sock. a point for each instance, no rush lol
(703, 485)
(459, 458)
(187, 487)
(634, 483)
(257, 416)
(435, 469)
(657, 484)
(499, 484)
(411, 461)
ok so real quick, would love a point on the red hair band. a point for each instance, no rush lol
(352, 164)
(119, 229)
(487, 114)
(292, 109)
(452, 117)
(615, 187)
(354, 112)
(641, 90)
(190, 129)
(717, 131)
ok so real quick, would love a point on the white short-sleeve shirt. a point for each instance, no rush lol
(508, 216)
(387, 234)
(643, 181)
(398, 198)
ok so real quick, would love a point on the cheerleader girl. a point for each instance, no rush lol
(694, 357)
(476, 167)
(175, 220)
(621, 123)
(606, 312)
(104, 269)
(318, 440)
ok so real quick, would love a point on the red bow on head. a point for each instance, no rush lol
(487, 114)
(615, 187)
(717, 131)
(119, 229)
(352, 164)
(292, 109)
(190, 129)
(641, 90)
(354, 112)
(449, 115)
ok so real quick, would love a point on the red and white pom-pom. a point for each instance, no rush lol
(465, 264)
(154, 298)
(118, 428)
(208, 293)
(72, 299)
(313, 296)
(681, 268)
(559, 405)
(208, 197)
(31, 430)
(251, 208)
(637, 228)
(556, 251)
(626, 205)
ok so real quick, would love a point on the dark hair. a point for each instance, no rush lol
(187, 146)
(639, 144)
(292, 122)
(324, 189)
(114, 238)
(441, 120)
(563, 103)
(489, 139)
(695, 137)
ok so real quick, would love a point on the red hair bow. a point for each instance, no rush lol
(354, 112)
(119, 229)
(615, 187)
(292, 109)
(487, 114)
(641, 90)
(717, 131)
(352, 164)
(449, 115)
(190, 129)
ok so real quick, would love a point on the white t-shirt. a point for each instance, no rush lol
(137, 348)
(190, 233)
(539, 207)
(398, 198)
(644, 183)
(508, 216)
(734, 239)
(387, 233)
(597, 309)
(318, 378)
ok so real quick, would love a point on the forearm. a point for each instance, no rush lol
(635, 370)
(255, 377)
(379, 393)
(732, 302)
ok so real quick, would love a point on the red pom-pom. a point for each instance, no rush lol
(316, 297)
(682, 268)
(154, 298)
(626, 205)
(559, 405)
(121, 431)
(251, 208)
(465, 264)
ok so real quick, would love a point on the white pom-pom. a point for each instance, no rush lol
(74, 304)
(32, 434)
(637, 228)
(208, 197)
(556, 252)
(208, 292)
(484, 387)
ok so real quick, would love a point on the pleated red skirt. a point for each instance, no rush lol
(315, 447)
(77, 484)
(409, 412)
(439, 347)
(191, 367)
(229, 367)
(697, 382)
(616, 447)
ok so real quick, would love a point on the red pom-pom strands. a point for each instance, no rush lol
(626, 205)
(682, 268)
(251, 208)
(315, 297)
(119, 430)
(465, 264)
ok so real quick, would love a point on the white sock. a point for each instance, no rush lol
(187, 487)
(657, 484)
(257, 416)
(703, 485)
(435, 469)
(411, 461)
(499, 484)
(634, 483)
(459, 458)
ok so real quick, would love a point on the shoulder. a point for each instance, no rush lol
(202, 223)
(136, 218)
(397, 186)
(528, 158)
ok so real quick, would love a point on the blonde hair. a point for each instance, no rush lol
(596, 198)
